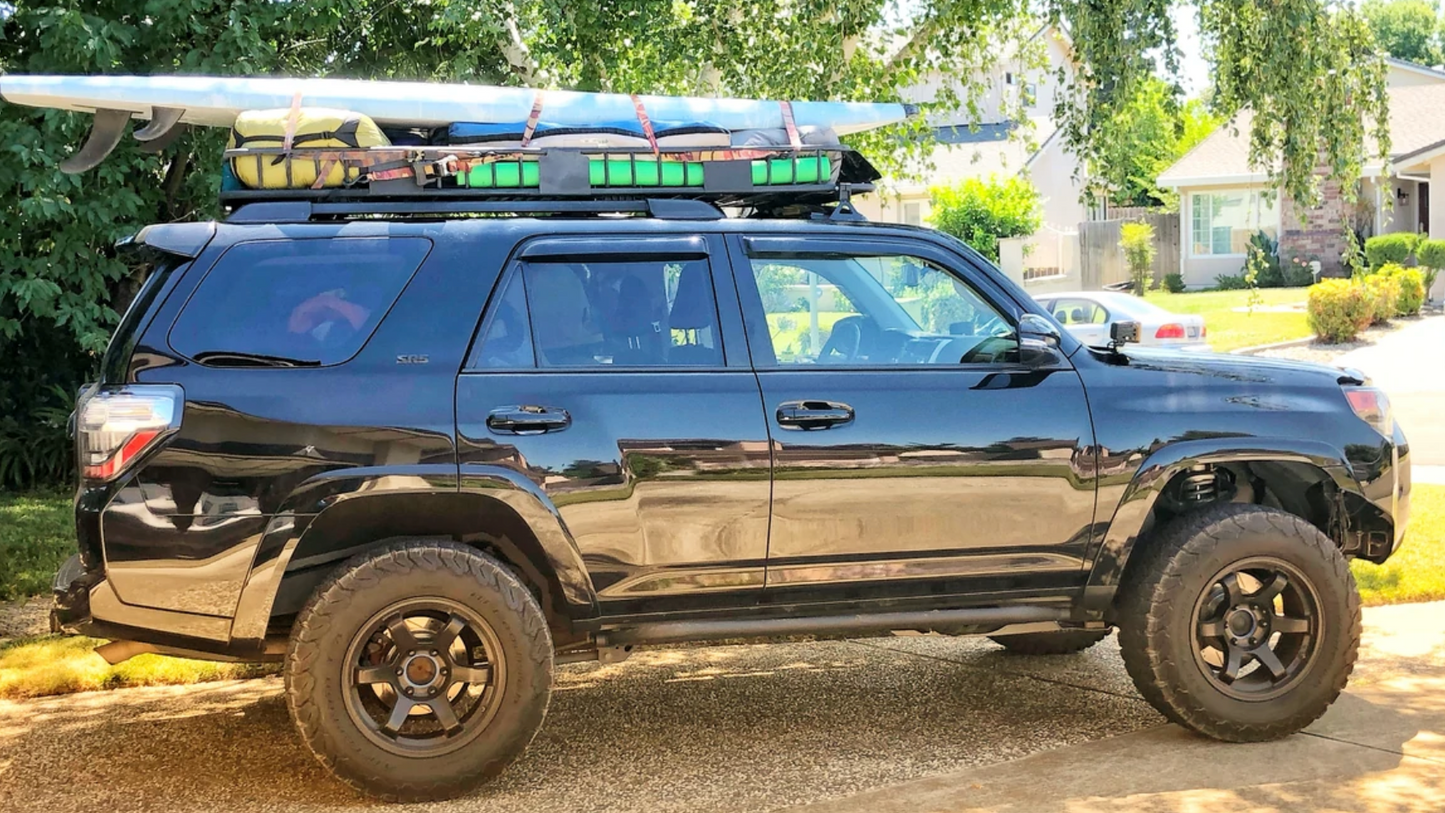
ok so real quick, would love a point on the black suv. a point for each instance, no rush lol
(424, 457)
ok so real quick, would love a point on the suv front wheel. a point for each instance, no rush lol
(1240, 623)
(419, 671)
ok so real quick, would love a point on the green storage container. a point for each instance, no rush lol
(504, 175)
(615, 172)
(780, 171)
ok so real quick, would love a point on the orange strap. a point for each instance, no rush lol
(645, 122)
(292, 120)
(790, 125)
(532, 119)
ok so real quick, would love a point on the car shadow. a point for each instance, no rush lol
(689, 728)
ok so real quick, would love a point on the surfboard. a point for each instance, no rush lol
(215, 101)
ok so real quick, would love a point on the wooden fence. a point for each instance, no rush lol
(1101, 260)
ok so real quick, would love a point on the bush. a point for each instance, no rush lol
(1263, 254)
(1297, 273)
(1339, 309)
(1383, 290)
(981, 213)
(1412, 288)
(1431, 255)
(1389, 248)
(1137, 240)
(1230, 282)
(1174, 283)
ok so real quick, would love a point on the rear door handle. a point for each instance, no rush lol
(813, 414)
(528, 419)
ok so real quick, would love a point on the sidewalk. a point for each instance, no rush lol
(1407, 364)
(1381, 747)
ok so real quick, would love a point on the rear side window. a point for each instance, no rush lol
(604, 313)
(283, 303)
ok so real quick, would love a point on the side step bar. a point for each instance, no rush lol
(986, 618)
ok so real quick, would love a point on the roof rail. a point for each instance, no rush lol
(302, 211)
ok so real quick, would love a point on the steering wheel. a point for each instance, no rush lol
(851, 339)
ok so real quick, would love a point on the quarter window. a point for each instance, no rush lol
(280, 303)
(876, 311)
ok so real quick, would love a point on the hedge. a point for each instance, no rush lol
(1339, 309)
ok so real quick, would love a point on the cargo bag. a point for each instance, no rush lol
(310, 128)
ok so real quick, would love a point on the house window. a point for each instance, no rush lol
(913, 213)
(1221, 222)
(1008, 78)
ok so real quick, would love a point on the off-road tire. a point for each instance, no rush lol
(1066, 642)
(367, 584)
(1157, 627)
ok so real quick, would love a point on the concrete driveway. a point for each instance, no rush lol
(1409, 365)
(685, 729)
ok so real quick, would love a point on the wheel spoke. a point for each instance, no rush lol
(399, 713)
(1289, 625)
(445, 714)
(475, 675)
(1233, 660)
(375, 674)
(1233, 593)
(1269, 592)
(401, 634)
(449, 633)
(1212, 629)
(1268, 660)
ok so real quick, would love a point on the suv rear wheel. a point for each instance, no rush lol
(1050, 643)
(419, 671)
(1241, 623)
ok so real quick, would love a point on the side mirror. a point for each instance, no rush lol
(1122, 333)
(1038, 340)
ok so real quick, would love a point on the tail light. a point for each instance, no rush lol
(1373, 407)
(114, 426)
(1173, 330)
(1203, 331)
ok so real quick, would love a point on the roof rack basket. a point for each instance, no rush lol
(762, 178)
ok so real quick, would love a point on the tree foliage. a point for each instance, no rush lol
(981, 213)
(1405, 29)
(1150, 133)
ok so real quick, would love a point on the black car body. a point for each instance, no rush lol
(658, 502)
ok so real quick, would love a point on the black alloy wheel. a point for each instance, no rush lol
(1258, 623)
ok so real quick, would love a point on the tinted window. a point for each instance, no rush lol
(1080, 312)
(877, 310)
(507, 342)
(305, 302)
(637, 313)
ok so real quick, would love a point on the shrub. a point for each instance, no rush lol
(1412, 288)
(1297, 272)
(1389, 248)
(1383, 291)
(1339, 309)
(1230, 282)
(981, 213)
(1174, 283)
(1137, 240)
(1431, 254)
(1263, 254)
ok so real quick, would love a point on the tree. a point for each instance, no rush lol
(1151, 133)
(981, 213)
(1405, 29)
(1137, 240)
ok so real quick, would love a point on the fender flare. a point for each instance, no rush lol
(489, 486)
(1114, 544)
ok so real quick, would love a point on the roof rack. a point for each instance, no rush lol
(459, 179)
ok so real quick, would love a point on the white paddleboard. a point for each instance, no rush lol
(214, 101)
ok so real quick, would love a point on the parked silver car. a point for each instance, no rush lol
(1087, 315)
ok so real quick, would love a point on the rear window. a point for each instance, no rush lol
(122, 343)
(283, 303)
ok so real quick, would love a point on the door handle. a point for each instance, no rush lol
(813, 414)
(528, 419)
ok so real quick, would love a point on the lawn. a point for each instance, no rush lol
(1417, 571)
(1231, 330)
(37, 533)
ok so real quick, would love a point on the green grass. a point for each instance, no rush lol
(1417, 571)
(1231, 330)
(36, 667)
(37, 533)
(792, 332)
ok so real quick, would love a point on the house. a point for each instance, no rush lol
(969, 147)
(1224, 200)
